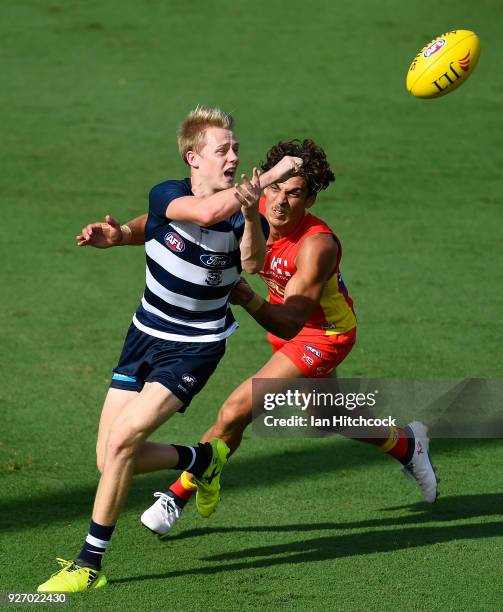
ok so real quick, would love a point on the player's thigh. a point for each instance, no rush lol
(115, 402)
(149, 409)
(279, 366)
(317, 355)
(239, 405)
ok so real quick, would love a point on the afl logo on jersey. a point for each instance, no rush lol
(215, 261)
(174, 242)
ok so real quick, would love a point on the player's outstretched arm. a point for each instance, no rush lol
(209, 210)
(110, 233)
(315, 262)
(252, 244)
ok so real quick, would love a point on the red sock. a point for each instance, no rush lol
(398, 444)
(183, 487)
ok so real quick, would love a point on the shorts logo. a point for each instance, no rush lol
(215, 261)
(313, 350)
(329, 326)
(214, 278)
(342, 286)
(321, 370)
(174, 242)
(189, 380)
(123, 377)
(433, 47)
(307, 359)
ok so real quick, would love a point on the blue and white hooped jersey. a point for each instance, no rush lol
(189, 273)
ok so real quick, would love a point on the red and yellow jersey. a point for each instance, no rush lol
(334, 314)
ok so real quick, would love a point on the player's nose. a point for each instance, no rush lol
(281, 197)
(232, 156)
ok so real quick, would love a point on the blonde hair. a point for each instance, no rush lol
(191, 134)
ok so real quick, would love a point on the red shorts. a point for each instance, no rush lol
(315, 354)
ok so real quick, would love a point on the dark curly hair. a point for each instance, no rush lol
(316, 168)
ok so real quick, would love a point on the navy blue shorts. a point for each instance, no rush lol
(182, 367)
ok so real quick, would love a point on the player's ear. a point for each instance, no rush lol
(311, 200)
(192, 158)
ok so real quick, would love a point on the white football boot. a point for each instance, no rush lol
(162, 515)
(420, 467)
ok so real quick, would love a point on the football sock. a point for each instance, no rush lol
(95, 545)
(194, 459)
(400, 445)
(179, 501)
(183, 488)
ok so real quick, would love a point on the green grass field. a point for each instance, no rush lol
(91, 96)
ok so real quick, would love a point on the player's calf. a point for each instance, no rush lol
(232, 419)
(229, 428)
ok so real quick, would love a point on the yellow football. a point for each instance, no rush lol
(444, 64)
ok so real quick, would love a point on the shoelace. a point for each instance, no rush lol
(168, 503)
(72, 566)
(64, 564)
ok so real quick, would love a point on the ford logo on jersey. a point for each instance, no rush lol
(215, 261)
(174, 242)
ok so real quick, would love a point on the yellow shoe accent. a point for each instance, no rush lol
(187, 482)
(208, 486)
(73, 578)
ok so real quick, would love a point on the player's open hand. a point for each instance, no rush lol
(101, 235)
(241, 293)
(248, 193)
(287, 167)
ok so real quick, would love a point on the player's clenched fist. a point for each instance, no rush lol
(288, 166)
(241, 293)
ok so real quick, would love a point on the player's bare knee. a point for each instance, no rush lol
(231, 419)
(100, 456)
(100, 462)
(121, 446)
